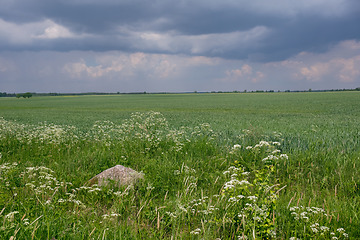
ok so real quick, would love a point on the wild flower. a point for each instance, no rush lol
(10, 216)
(314, 228)
(94, 190)
(252, 198)
(236, 147)
(196, 231)
(232, 199)
(270, 158)
(242, 237)
(262, 144)
(110, 216)
(324, 228)
(308, 218)
(149, 187)
(171, 214)
(26, 221)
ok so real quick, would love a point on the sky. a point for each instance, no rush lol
(178, 46)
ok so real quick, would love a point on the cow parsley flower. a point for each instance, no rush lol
(196, 231)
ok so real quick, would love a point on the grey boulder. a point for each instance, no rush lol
(119, 174)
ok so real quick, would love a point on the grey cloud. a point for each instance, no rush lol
(188, 27)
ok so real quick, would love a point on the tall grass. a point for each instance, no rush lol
(253, 185)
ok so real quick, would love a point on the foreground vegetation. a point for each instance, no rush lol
(234, 178)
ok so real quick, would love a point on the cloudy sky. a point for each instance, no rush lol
(182, 45)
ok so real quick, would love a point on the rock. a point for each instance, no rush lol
(120, 174)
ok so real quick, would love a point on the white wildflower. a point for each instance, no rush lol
(314, 227)
(196, 231)
(236, 146)
(244, 182)
(77, 202)
(11, 215)
(324, 228)
(172, 215)
(94, 190)
(149, 187)
(26, 221)
(232, 199)
(118, 193)
(303, 214)
(234, 175)
(242, 237)
(252, 198)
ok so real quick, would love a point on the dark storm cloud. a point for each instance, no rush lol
(255, 30)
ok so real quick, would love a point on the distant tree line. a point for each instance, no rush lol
(4, 94)
(29, 94)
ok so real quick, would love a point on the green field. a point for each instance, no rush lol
(298, 155)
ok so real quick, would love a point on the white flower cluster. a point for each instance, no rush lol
(202, 206)
(264, 144)
(269, 147)
(5, 168)
(196, 231)
(150, 129)
(41, 180)
(242, 237)
(311, 214)
(110, 216)
(44, 132)
(304, 212)
(235, 174)
(236, 147)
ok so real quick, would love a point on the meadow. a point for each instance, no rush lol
(216, 166)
